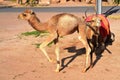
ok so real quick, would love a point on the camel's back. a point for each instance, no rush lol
(65, 23)
(67, 20)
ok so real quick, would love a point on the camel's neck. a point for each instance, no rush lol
(36, 24)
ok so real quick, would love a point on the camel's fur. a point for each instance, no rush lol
(60, 25)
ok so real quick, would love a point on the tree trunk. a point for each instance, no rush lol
(77, 1)
(110, 1)
(54, 1)
(63, 1)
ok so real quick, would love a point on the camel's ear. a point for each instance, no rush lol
(83, 17)
(32, 12)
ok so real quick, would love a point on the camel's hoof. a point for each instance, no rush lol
(52, 61)
(84, 70)
(57, 70)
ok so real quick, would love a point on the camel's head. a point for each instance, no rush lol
(26, 15)
(95, 21)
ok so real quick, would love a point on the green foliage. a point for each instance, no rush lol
(32, 2)
(117, 16)
(117, 1)
(38, 44)
(13, 0)
(52, 42)
(35, 33)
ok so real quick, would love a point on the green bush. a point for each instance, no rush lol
(35, 33)
(117, 1)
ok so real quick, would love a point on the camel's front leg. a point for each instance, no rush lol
(58, 58)
(88, 50)
(50, 38)
(42, 48)
(57, 52)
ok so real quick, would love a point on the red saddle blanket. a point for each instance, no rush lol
(105, 26)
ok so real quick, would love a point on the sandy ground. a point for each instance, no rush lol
(21, 60)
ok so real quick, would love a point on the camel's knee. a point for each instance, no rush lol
(88, 50)
(79, 37)
(43, 45)
(83, 40)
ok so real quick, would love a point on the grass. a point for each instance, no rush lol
(35, 33)
(38, 44)
(117, 16)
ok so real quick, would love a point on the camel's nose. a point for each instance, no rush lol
(20, 16)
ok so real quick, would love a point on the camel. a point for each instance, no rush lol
(102, 28)
(100, 34)
(60, 25)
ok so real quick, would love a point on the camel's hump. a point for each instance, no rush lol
(66, 20)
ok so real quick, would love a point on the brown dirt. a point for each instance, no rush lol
(20, 60)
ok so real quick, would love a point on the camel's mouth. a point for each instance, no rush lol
(19, 17)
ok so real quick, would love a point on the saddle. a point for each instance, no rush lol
(105, 26)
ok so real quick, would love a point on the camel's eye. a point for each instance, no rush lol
(24, 15)
(92, 21)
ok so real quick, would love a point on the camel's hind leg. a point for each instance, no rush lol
(88, 50)
(50, 38)
(83, 38)
(57, 50)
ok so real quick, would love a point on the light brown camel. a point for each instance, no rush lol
(59, 25)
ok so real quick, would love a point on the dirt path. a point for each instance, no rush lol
(20, 60)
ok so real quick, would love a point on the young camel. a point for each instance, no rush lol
(59, 25)
(100, 34)
(101, 27)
